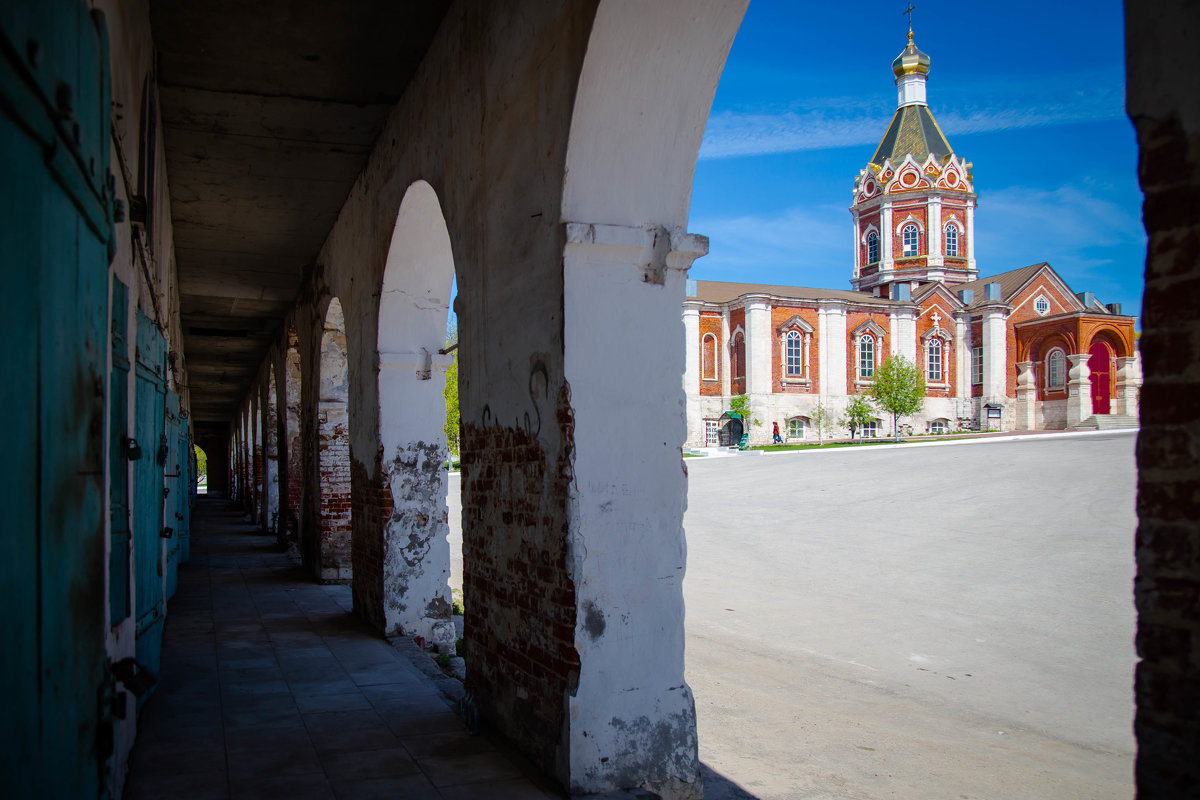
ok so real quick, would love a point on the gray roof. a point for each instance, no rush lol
(724, 292)
(912, 130)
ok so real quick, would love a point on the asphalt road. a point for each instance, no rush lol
(928, 622)
(951, 621)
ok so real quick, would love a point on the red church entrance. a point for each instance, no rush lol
(1099, 369)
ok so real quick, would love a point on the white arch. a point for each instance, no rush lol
(642, 103)
(413, 307)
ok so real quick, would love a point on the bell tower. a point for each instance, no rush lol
(914, 203)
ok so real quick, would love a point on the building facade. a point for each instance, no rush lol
(1019, 350)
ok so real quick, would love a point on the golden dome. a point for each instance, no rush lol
(911, 60)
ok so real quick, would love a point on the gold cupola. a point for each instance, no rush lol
(911, 60)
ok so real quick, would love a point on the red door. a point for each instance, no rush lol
(1100, 369)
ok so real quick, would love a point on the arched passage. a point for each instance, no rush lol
(331, 559)
(271, 455)
(291, 504)
(413, 307)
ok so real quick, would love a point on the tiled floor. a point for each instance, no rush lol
(270, 688)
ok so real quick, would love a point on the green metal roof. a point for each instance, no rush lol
(913, 130)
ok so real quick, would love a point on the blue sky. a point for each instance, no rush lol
(1031, 93)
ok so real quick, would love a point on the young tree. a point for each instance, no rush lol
(859, 412)
(451, 395)
(740, 404)
(823, 421)
(899, 389)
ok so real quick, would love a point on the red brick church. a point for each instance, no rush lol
(1019, 350)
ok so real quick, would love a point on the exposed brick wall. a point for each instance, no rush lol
(256, 493)
(780, 315)
(520, 627)
(883, 344)
(333, 446)
(949, 361)
(737, 318)
(1167, 588)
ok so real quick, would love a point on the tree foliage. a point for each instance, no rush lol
(899, 389)
(201, 464)
(859, 412)
(740, 404)
(453, 419)
(823, 421)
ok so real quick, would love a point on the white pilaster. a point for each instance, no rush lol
(1128, 382)
(970, 234)
(962, 354)
(858, 262)
(1079, 389)
(1026, 396)
(691, 373)
(833, 347)
(995, 355)
(935, 233)
(759, 347)
(723, 354)
(886, 261)
(902, 325)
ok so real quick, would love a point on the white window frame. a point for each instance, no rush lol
(977, 364)
(951, 240)
(915, 250)
(870, 430)
(939, 426)
(716, 368)
(1056, 382)
(1041, 305)
(866, 366)
(793, 359)
(712, 432)
(803, 426)
(935, 351)
(873, 247)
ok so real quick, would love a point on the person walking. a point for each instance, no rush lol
(777, 439)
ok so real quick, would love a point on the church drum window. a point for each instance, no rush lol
(911, 237)
(866, 356)
(952, 241)
(795, 354)
(933, 360)
(1056, 362)
(872, 247)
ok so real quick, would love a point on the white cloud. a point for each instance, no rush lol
(797, 246)
(841, 122)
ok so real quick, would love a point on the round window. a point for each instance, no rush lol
(1042, 306)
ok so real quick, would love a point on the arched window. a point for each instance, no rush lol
(708, 357)
(1056, 372)
(872, 247)
(795, 354)
(866, 356)
(952, 240)
(797, 427)
(738, 356)
(933, 360)
(911, 235)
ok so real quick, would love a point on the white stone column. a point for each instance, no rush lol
(1026, 396)
(1128, 383)
(691, 374)
(625, 542)
(833, 348)
(995, 354)
(1079, 389)
(902, 324)
(970, 234)
(962, 354)
(886, 261)
(759, 347)
(858, 262)
(935, 233)
(760, 357)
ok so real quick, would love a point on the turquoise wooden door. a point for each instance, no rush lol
(174, 490)
(148, 561)
(118, 471)
(55, 245)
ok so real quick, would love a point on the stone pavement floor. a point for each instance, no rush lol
(271, 688)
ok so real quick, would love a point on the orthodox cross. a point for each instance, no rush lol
(908, 13)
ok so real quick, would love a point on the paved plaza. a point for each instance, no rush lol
(951, 621)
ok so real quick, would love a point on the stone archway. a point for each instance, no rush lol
(413, 308)
(330, 555)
